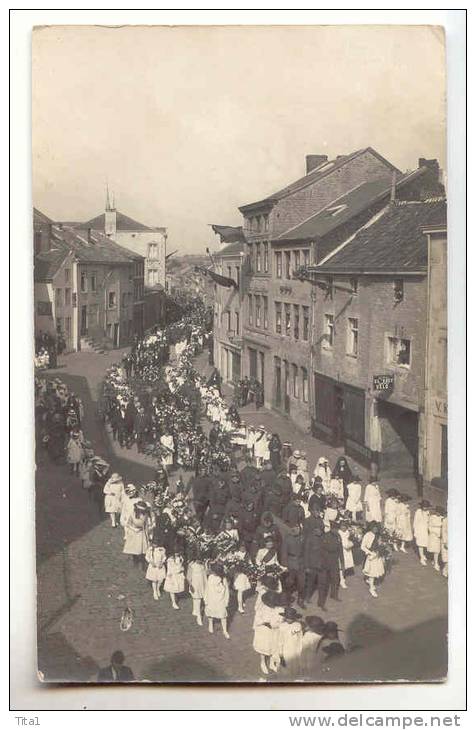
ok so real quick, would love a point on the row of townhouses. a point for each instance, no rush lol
(98, 283)
(338, 308)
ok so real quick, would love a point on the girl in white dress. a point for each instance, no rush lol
(268, 618)
(403, 523)
(347, 548)
(374, 566)
(217, 597)
(323, 470)
(197, 584)
(241, 582)
(167, 441)
(156, 557)
(421, 520)
(372, 500)
(434, 536)
(113, 491)
(354, 498)
(175, 578)
(390, 514)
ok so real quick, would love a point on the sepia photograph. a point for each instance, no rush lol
(240, 371)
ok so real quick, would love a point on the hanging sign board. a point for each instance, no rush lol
(383, 383)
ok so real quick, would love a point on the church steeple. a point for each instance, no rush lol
(110, 215)
(108, 202)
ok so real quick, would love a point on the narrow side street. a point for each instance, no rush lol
(84, 580)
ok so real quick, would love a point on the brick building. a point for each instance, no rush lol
(88, 288)
(368, 348)
(297, 227)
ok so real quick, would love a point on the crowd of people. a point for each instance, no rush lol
(254, 516)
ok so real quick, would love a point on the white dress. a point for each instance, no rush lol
(290, 644)
(156, 559)
(175, 579)
(113, 496)
(390, 514)
(336, 487)
(197, 579)
(434, 533)
(241, 582)
(347, 548)
(374, 567)
(420, 527)
(266, 637)
(217, 596)
(373, 511)
(354, 498)
(403, 524)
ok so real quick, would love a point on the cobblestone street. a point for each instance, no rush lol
(84, 581)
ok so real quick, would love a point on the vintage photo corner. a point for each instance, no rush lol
(240, 310)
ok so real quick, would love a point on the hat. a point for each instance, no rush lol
(290, 614)
(130, 489)
(296, 454)
(424, 504)
(270, 582)
(261, 428)
(441, 511)
(392, 492)
(271, 599)
(331, 628)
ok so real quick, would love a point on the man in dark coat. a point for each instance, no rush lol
(292, 558)
(249, 521)
(293, 513)
(117, 671)
(314, 520)
(218, 496)
(201, 486)
(214, 435)
(333, 561)
(315, 563)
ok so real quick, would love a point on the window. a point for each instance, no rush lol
(265, 313)
(111, 299)
(258, 258)
(67, 297)
(352, 336)
(287, 264)
(266, 257)
(59, 325)
(354, 284)
(84, 283)
(152, 250)
(329, 330)
(93, 281)
(58, 297)
(258, 311)
(237, 323)
(152, 275)
(229, 272)
(266, 221)
(287, 319)
(399, 351)
(297, 260)
(278, 313)
(296, 321)
(228, 321)
(305, 323)
(237, 269)
(398, 291)
(278, 260)
(306, 259)
(295, 382)
(250, 310)
(67, 275)
(67, 324)
(305, 385)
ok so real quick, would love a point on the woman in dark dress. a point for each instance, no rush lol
(342, 471)
(275, 451)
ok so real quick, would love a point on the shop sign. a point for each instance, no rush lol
(383, 383)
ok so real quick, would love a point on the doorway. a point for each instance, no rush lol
(253, 363)
(236, 366)
(399, 429)
(84, 320)
(116, 334)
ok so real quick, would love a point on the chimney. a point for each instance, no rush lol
(90, 237)
(313, 161)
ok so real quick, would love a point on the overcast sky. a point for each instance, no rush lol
(188, 123)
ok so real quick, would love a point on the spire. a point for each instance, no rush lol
(108, 202)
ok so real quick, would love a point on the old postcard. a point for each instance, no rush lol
(240, 252)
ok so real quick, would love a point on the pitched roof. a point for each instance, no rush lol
(233, 248)
(395, 242)
(316, 174)
(229, 234)
(345, 208)
(47, 264)
(123, 223)
(39, 217)
(100, 249)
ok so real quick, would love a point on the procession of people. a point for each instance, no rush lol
(234, 511)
